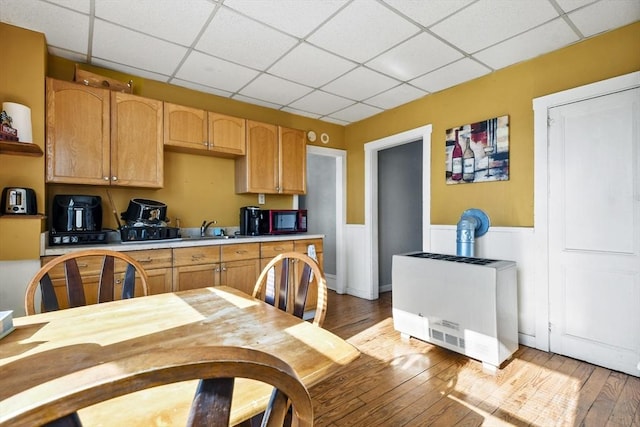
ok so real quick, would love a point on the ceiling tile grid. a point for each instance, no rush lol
(336, 60)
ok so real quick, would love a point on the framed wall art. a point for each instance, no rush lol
(478, 152)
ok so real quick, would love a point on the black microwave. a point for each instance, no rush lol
(283, 221)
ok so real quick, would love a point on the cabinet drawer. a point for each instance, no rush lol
(301, 245)
(154, 258)
(196, 255)
(270, 250)
(240, 251)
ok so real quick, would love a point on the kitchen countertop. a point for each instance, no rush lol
(46, 250)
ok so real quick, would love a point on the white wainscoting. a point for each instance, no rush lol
(358, 261)
(14, 277)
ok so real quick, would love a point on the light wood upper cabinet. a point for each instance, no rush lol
(275, 161)
(137, 156)
(78, 141)
(201, 132)
(293, 161)
(99, 137)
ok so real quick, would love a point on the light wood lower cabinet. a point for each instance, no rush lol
(240, 266)
(196, 267)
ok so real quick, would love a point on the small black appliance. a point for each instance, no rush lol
(249, 221)
(146, 220)
(76, 220)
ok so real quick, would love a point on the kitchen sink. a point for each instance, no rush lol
(207, 237)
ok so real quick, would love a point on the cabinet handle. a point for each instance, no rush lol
(240, 252)
(279, 249)
(106, 178)
(197, 257)
(145, 261)
(114, 178)
(83, 265)
(205, 143)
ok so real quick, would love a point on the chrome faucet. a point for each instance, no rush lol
(204, 226)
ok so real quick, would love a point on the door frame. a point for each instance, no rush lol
(541, 185)
(371, 197)
(340, 157)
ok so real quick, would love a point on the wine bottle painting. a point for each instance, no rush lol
(478, 152)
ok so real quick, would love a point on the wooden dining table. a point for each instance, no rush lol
(46, 347)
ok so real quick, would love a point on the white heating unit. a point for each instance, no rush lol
(468, 305)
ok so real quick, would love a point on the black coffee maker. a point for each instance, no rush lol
(249, 221)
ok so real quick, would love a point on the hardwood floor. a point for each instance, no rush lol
(400, 382)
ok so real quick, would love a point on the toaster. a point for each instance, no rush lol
(18, 201)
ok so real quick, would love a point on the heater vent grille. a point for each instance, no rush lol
(454, 258)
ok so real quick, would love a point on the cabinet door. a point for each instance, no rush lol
(241, 275)
(185, 127)
(160, 280)
(196, 276)
(257, 171)
(292, 161)
(227, 134)
(77, 134)
(136, 141)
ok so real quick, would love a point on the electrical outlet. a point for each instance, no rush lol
(261, 199)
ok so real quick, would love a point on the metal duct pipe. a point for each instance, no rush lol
(473, 223)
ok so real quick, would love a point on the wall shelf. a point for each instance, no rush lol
(20, 149)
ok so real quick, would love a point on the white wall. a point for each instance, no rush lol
(14, 277)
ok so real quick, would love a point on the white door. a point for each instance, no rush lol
(594, 230)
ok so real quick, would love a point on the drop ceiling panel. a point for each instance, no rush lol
(83, 6)
(491, 21)
(294, 17)
(428, 12)
(451, 75)
(213, 72)
(274, 89)
(360, 84)
(604, 15)
(309, 65)
(356, 112)
(545, 38)
(164, 19)
(142, 51)
(414, 57)
(362, 30)
(238, 39)
(70, 29)
(201, 88)
(396, 96)
(320, 102)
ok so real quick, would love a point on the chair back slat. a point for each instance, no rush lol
(303, 289)
(211, 405)
(129, 283)
(75, 288)
(71, 420)
(49, 299)
(284, 285)
(105, 287)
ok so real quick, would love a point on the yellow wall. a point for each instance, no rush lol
(506, 92)
(21, 80)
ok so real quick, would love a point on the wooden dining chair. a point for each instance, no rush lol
(65, 280)
(284, 283)
(215, 367)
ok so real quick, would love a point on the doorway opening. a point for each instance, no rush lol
(371, 214)
(325, 201)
